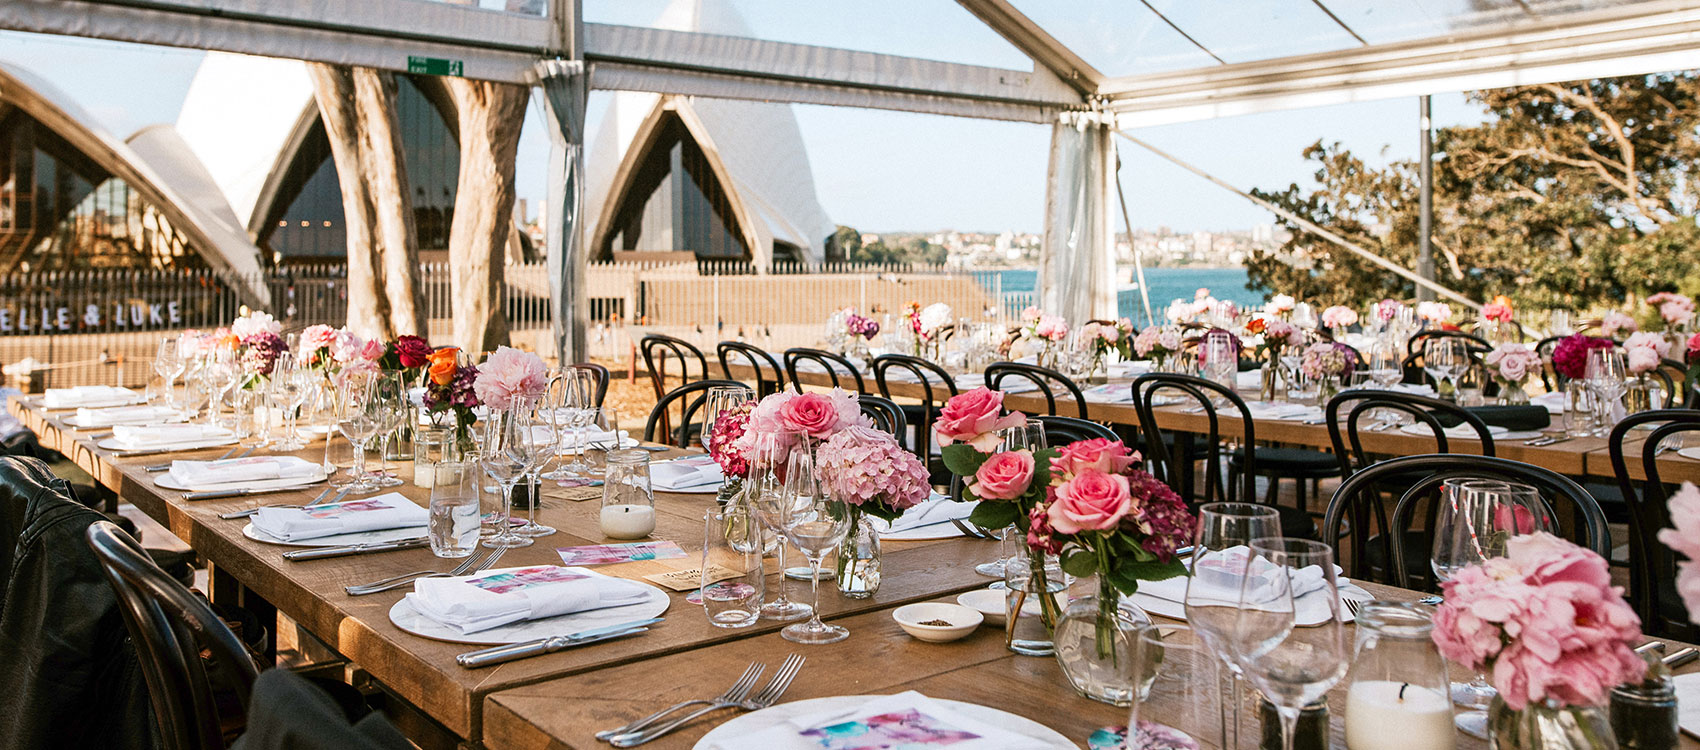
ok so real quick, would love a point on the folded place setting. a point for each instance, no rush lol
(369, 520)
(167, 437)
(1168, 597)
(89, 396)
(249, 473)
(908, 719)
(516, 605)
(694, 474)
(931, 519)
(88, 418)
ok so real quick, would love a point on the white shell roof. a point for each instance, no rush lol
(239, 115)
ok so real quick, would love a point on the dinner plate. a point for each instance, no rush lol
(112, 444)
(407, 618)
(1693, 453)
(169, 482)
(1177, 611)
(100, 404)
(339, 540)
(755, 721)
(946, 530)
(73, 421)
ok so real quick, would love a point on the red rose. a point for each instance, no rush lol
(412, 351)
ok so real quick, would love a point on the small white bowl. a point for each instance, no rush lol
(988, 602)
(963, 620)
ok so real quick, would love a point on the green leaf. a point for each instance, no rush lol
(994, 514)
(962, 460)
(881, 511)
(1080, 564)
(1149, 571)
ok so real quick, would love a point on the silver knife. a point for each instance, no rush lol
(501, 654)
(221, 494)
(320, 553)
(251, 511)
(1681, 657)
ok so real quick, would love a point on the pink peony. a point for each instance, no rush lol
(1512, 362)
(1570, 355)
(1004, 476)
(255, 323)
(1685, 540)
(1615, 323)
(975, 417)
(1339, 316)
(1051, 327)
(1642, 351)
(510, 375)
(316, 337)
(1097, 454)
(1675, 308)
(1091, 501)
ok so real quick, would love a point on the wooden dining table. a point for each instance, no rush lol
(560, 700)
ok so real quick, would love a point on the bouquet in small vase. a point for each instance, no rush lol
(449, 393)
(1510, 364)
(1674, 309)
(1158, 344)
(1275, 335)
(1552, 634)
(1107, 338)
(1328, 364)
(1642, 354)
(927, 324)
(408, 355)
(259, 344)
(1617, 324)
(1045, 331)
(865, 469)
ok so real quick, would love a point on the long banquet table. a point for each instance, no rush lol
(560, 700)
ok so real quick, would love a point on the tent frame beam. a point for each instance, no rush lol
(1033, 41)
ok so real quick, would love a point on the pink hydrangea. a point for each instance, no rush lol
(509, 375)
(1642, 351)
(866, 467)
(1512, 362)
(1685, 540)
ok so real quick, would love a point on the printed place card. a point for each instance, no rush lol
(609, 554)
(689, 579)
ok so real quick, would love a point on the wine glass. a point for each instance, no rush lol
(557, 404)
(817, 524)
(507, 458)
(1031, 437)
(1383, 364)
(1607, 377)
(221, 373)
(540, 441)
(289, 390)
(1442, 360)
(1225, 531)
(357, 420)
(168, 363)
(394, 411)
(1292, 666)
(721, 399)
(765, 493)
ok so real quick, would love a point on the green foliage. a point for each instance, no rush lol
(1079, 563)
(962, 460)
(1573, 195)
(1128, 573)
(846, 244)
(994, 514)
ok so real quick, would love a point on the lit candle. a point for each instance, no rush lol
(1397, 716)
(627, 521)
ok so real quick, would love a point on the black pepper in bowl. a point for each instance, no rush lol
(936, 623)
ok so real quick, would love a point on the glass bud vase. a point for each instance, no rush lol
(1095, 646)
(730, 491)
(858, 565)
(1641, 394)
(1271, 386)
(1512, 393)
(1032, 603)
(1548, 726)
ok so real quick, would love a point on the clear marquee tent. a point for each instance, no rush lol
(1097, 67)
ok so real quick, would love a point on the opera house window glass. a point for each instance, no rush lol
(675, 202)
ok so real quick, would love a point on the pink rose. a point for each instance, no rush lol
(1091, 501)
(1684, 538)
(817, 414)
(1004, 476)
(510, 374)
(1051, 327)
(316, 337)
(975, 417)
(1098, 454)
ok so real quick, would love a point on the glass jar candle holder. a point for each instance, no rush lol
(628, 502)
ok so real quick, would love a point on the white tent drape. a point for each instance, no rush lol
(564, 84)
(1077, 262)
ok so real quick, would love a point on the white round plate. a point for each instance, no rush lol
(726, 734)
(166, 481)
(1693, 453)
(407, 618)
(112, 444)
(72, 421)
(339, 540)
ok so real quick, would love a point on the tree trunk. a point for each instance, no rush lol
(358, 108)
(490, 115)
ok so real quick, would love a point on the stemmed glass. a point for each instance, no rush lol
(1475, 520)
(508, 456)
(168, 363)
(1290, 665)
(816, 523)
(323, 400)
(1607, 376)
(357, 420)
(721, 399)
(1029, 436)
(1444, 360)
(568, 397)
(1384, 365)
(289, 390)
(766, 495)
(394, 410)
(1225, 531)
(221, 373)
(541, 439)
(1221, 362)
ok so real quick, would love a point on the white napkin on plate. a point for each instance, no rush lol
(387, 511)
(88, 395)
(1688, 702)
(1115, 393)
(241, 470)
(1219, 581)
(1249, 380)
(1420, 389)
(1283, 411)
(140, 436)
(1554, 402)
(685, 473)
(495, 598)
(907, 719)
(1461, 430)
(126, 415)
(936, 509)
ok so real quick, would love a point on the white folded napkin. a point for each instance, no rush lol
(1461, 430)
(1249, 380)
(1420, 389)
(685, 473)
(88, 395)
(126, 415)
(387, 511)
(1110, 392)
(1554, 402)
(243, 470)
(1219, 581)
(934, 510)
(151, 436)
(809, 365)
(495, 598)
(905, 720)
(1688, 702)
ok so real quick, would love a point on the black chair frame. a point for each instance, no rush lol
(925, 372)
(834, 365)
(1040, 377)
(601, 374)
(1652, 565)
(760, 361)
(660, 418)
(1145, 389)
(1421, 409)
(887, 416)
(1060, 431)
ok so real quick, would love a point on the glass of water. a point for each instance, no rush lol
(454, 510)
(732, 575)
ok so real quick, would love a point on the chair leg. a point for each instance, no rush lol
(1272, 495)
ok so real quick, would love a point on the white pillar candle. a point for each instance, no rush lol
(627, 521)
(1378, 717)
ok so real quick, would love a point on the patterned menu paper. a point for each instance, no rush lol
(609, 554)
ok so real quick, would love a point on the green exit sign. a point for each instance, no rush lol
(433, 66)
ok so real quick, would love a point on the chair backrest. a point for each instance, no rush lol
(657, 348)
(601, 375)
(834, 366)
(769, 376)
(1549, 377)
(1200, 391)
(1042, 378)
(1652, 565)
(887, 416)
(1673, 376)
(1061, 431)
(1349, 502)
(170, 627)
(931, 378)
(1413, 362)
(689, 398)
(1422, 410)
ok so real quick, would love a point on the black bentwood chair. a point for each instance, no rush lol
(657, 349)
(887, 416)
(1363, 404)
(1652, 565)
(936, 386)
(769, 377)
(600, 373)
(171, 627)
(1358, 500)
(689, 399)
(1060, 431)
(1042, 378)
(831, 364)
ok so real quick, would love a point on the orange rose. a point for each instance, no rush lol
(1255, 325)
(443, 365)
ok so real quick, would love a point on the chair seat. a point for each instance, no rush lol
(1290, 462)
(1296, 524)
(1416, 558)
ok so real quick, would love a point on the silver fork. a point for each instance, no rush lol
(970, 529)
(768, 695)
(1352, 606)
(471, 565)
(737, 692)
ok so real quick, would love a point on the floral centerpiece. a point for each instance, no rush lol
(1674, 309)
(1434, 313)
(927, 324)
(865, 468)
(785, 421)
(1387, 309)
(1338, 318)
(1570, 354)
(1104, 339)
(1274, 336)
(1642, 354)
(259, 344)
(450, 392)
(1327, 363)
(1044, 331)
(1280, 305)
(351, 354)
(1157, 343)
(1510, 364)
(408, 355)
(315, 345)
(1498, 310)
(1684, 538)
(1551, 632)
(848, 331)
(1617, 324)
(723, 438)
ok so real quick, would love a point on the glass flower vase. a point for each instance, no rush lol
(730, 490)
(858, 566)
(1642, 394)
(1095, 646)
(1271, 386)
(1549, 726)
(1511, 393)
(1326, 387)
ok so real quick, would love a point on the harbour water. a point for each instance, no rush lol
(1167, 284)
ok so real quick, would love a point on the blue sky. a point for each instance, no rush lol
(875, 170)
